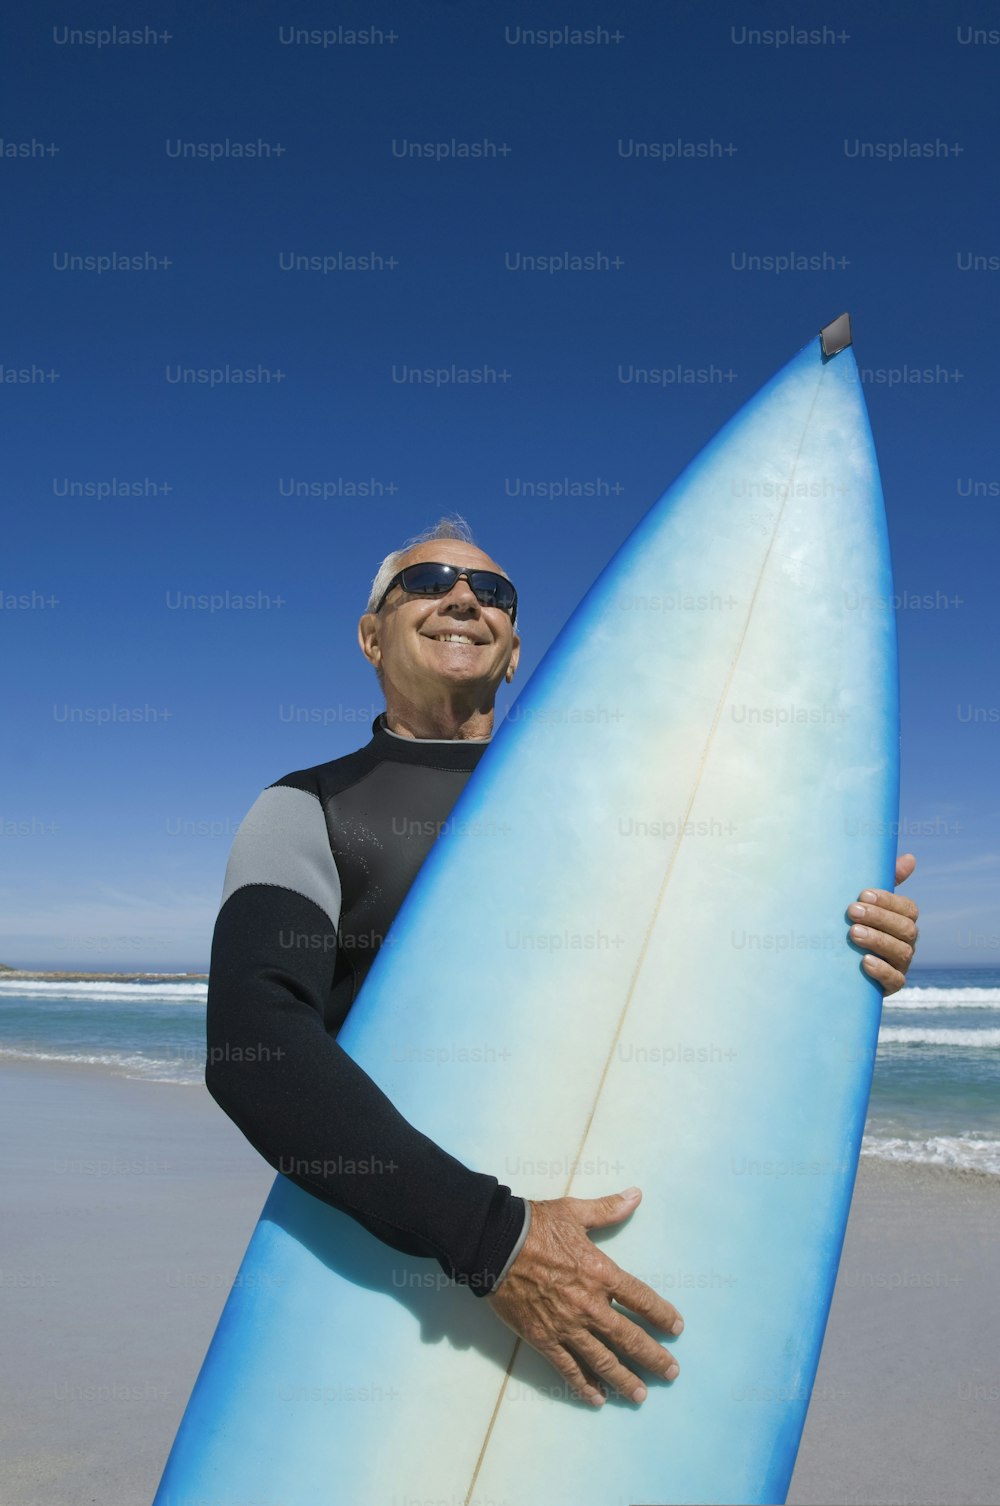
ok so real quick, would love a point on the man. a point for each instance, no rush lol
(317, 872)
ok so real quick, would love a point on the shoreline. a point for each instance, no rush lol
(130, 1204)
(79, 1069)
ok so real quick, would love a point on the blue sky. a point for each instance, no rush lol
(115, 831)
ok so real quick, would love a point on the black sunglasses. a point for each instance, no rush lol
(434, 578)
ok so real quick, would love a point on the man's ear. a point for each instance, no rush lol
(368, 639)
(515, 655)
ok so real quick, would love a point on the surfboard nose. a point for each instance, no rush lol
(836, 335)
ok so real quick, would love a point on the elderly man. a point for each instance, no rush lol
(317, 872)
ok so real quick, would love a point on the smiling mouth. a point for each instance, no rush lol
(453, 638)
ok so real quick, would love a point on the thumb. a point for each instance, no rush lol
(599, 1211)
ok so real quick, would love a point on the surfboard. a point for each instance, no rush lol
(638, 912)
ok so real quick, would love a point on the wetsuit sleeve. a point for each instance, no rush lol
(300, 1099)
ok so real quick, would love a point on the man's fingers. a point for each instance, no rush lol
(905, 864)
(600, 1359)
(897, 953)
(640, 1348)
(874, 918)
(884, 925)
(889, 977)
(580, 1384)
(884, 899)
(885, 934)
(597, 1212)
(634, 1294)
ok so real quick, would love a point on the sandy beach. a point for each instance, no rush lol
(128, 1206)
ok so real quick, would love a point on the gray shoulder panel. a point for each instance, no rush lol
(283, 841)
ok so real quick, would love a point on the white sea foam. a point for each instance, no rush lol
(107, 993)
(960, 1152)
(915, 1035)
(148, 1068)
(944, 998)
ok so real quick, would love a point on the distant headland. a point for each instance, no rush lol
(29, 974)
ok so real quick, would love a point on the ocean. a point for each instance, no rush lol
(935, 1097)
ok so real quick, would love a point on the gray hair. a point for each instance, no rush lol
(452, 526)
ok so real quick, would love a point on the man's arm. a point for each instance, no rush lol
(299, 1098)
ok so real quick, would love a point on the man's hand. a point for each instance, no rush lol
(557, 1297)
(887, 931)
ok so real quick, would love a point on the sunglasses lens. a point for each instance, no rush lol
(493, 590)
(428, 579)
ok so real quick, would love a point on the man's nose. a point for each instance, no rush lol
(461, 594)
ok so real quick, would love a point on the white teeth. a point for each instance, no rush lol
(452, 638)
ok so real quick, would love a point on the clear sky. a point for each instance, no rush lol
(680, 147)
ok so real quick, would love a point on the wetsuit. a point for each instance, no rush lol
(317, 871)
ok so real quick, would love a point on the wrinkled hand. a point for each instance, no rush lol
(557, 1297)
(887, 930)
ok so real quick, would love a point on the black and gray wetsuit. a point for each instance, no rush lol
(317, 871)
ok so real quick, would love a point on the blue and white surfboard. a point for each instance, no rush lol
(698, 778)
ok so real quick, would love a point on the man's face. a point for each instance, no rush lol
(415, 638)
